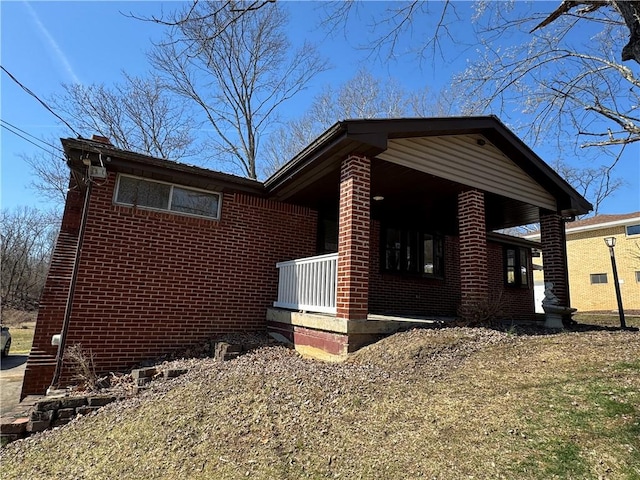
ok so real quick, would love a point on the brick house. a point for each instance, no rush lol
(589, 263)
(374, 222)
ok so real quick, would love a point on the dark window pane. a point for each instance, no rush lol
(413, 246)
(392, 249)
(511, 266)
(598, 278)
(633, 230)
(193, 202)
(524, 271)
(427, 248)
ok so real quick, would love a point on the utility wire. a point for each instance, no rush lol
(26, 139)
(27, 133)
(38, 99)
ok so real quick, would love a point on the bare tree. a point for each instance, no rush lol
(362, 96)
(596, 184)
(138, 114)
(567, 82)
(51, 176)
(27, 238)
(238, 69)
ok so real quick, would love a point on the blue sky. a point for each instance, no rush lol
(44, 44)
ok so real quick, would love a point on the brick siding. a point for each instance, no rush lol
(402, 294)
(150, 282)
(514, 303)
(416, 295)
(587, 254)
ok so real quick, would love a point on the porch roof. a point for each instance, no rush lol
(312, 176)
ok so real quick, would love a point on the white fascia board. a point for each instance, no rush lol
(586, 228)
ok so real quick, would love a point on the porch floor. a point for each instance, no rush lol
(374, 324)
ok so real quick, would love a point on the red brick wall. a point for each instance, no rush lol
(353, 238)
(515, 303)
(150, 282)
(414, 295)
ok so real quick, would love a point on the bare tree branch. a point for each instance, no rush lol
(238, 70)
(137, 114)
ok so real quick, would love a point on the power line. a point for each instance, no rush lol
(26, 139)
(32, 136)
(39, 100)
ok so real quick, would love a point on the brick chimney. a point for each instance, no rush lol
(101, 139)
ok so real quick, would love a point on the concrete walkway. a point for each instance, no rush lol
(11, 375)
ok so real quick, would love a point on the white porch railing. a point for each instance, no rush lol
(308, 284)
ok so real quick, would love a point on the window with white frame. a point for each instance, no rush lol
(144, 193)
(598, 278)
(633, 230)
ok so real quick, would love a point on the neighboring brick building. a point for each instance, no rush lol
(589, 263)
(374, 220)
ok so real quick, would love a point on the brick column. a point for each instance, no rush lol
(353, 239)
(554, 254)
(42, 358)
(474, 283)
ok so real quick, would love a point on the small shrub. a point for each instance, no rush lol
(485, 313)
(82, 364)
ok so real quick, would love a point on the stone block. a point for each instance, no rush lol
(40, 416)
(65, 413)
(143, 373)
(101, 400)
(30, 400)
(45, 405)
(13, 426)
(174, 372)
(38, 426)
(73, 402)
(60, 422)
(86, 409)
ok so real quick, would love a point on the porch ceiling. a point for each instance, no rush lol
(413, 197)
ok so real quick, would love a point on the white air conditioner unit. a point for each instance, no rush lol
(97, 172)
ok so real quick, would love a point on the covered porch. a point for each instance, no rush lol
(407, 217)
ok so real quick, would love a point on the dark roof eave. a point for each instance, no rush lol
(313, 151)
(371, 131)
(120, 159)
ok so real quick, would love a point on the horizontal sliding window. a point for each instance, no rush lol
(144, 193)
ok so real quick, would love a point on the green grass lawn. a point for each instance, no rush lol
(22, 338)
(22, 326)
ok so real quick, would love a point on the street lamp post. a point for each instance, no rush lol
(611, 242)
